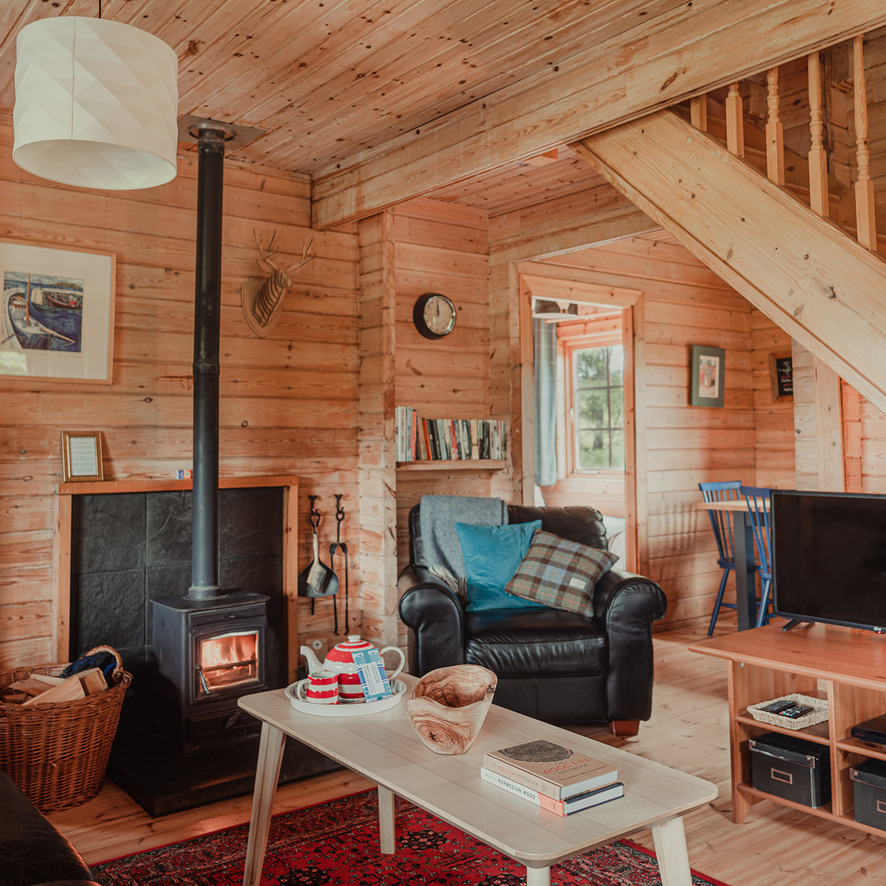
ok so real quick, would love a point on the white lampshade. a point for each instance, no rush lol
(95, 104)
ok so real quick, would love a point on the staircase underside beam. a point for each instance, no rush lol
(802, 271)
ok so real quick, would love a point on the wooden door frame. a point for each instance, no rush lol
(537, 279)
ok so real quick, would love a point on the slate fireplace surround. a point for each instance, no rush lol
(132, 547)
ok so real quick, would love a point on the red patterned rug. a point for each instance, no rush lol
(337, 843)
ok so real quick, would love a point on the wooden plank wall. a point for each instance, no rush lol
(440, 247)
(686, 304)
(864, 434)
(288, 402)
(805, 445)
(773, 416)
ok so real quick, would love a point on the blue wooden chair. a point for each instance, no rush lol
(757, 498)
(722, 524)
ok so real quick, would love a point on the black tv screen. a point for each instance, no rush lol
(829, 557)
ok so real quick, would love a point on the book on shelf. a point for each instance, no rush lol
(584, 800)
(551, 769)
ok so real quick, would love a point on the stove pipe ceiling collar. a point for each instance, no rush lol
(95, 104)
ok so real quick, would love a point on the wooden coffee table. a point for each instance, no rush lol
(384, 748)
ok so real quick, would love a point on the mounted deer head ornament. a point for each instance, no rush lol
(262, 299)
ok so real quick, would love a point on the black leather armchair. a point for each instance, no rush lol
(554, 665)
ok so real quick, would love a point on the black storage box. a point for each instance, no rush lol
(791, 768)
(870, 793)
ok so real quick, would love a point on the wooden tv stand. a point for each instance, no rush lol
(843, 665)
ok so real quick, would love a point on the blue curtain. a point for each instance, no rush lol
(544, 340)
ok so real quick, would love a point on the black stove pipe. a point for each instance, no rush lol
(207, 308)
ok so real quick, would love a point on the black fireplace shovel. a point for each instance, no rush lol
(316, 579)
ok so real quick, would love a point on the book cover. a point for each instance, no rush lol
(550, 769)
(585, 800)
(425, 439)
(399, 433)
(433, 444)
(483, 435)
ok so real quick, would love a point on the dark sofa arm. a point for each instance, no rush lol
(435, 617)
(32, 851)
(626, 605)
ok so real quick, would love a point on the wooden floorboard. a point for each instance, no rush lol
(688, 730)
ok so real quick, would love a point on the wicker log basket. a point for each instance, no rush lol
(57, 753)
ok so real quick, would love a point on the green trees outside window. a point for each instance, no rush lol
(599, 406)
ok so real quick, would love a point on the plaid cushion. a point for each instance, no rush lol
(560, 573)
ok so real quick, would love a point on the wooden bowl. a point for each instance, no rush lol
(448, 706)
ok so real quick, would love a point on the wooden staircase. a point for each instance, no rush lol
(779, 232)
(808, 276)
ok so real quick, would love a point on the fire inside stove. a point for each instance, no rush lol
(227, 660)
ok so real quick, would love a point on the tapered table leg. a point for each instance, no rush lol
(538, 877)
(387, 837)
(267, 773)
(670, 847)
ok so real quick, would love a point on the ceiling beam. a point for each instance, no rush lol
(809, 277)
(684, 52)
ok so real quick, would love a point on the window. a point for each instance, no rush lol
(597, 408)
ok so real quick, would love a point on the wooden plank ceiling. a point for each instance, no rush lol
(381, 101)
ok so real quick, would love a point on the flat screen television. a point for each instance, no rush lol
(829, 557)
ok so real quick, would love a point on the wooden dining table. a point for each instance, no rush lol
(745, 571)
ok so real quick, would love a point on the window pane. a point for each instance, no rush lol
(590, 366)
(593, 408)
(594, 450)
(617, 407)
(616, 365)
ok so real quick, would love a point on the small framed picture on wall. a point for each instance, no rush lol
(707, 373)
(81, 456)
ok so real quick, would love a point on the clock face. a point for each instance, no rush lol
(434, 315)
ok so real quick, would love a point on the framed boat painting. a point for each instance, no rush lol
(57, 317)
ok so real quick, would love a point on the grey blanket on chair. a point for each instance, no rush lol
(439, 544)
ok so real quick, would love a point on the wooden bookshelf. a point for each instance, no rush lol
(453, 464)
(843, 665)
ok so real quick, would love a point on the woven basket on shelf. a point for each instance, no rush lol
(57, 753)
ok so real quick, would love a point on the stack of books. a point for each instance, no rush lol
(554, 777)
(448, 439)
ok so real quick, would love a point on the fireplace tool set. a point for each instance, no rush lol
(317, 579)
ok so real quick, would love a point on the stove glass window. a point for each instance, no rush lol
(227, 660)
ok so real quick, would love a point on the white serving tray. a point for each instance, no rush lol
(295, 692)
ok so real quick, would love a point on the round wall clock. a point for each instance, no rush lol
(433, 315)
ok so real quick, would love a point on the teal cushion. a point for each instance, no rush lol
(492, 555)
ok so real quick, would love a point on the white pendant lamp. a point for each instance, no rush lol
(95, 104)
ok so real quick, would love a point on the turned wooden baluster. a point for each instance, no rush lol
(864, 186)
(774, 131)
(734, 122)
(698, 112)
(818, 158)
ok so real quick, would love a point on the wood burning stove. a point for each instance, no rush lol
(208, 653)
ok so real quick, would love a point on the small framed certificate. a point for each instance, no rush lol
(81, 456)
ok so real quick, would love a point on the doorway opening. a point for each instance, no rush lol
(580, 410)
